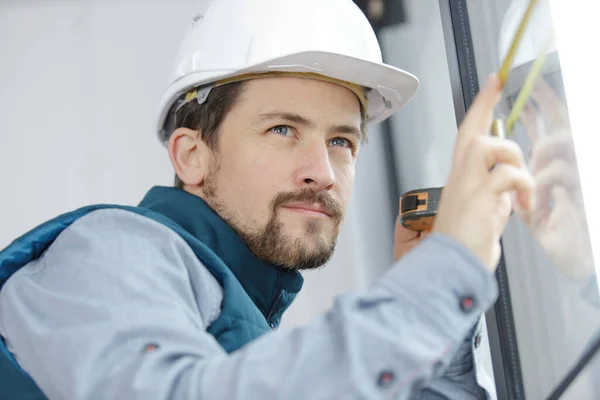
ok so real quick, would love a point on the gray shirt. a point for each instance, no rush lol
(118, 307)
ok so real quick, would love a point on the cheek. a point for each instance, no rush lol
(252, 182)
(344, 172)
(261, 173)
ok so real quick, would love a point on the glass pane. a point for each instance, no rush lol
(588, 377)
(553, 285)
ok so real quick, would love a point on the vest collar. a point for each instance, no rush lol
(271, 288)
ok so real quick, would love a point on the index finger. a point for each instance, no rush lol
(479, 117)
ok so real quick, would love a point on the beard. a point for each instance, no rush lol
(270, 243)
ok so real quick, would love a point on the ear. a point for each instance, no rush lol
(189, 156)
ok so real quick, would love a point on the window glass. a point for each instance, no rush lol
(548, 252)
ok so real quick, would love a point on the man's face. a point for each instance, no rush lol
(283, 169)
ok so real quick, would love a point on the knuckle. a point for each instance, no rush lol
(479, 145)
(510, 173)
(504, 170)
(511, 152)
(513, 148)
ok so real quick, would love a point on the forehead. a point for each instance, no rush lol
(315, 99)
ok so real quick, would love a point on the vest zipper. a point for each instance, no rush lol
(273, 305)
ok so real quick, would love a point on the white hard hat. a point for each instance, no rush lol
(326, 38)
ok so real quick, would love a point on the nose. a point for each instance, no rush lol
(315, 170)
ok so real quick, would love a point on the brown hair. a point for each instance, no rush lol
(208, 116)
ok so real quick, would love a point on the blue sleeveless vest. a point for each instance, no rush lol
(255, 293)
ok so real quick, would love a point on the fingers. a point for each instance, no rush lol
(478, 120)
(476, 203)
(495, 150)
(404, 240)
(508, 178)
(525, 215)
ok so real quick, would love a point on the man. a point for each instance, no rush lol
(177, 298)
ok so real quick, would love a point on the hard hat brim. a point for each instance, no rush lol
(391, 87)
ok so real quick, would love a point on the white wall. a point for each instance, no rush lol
(426, 129)
(79, 83)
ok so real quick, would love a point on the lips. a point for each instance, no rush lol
(314, 207)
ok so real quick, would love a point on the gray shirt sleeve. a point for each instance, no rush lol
(590, 291)
(459, 380)
(118, 307)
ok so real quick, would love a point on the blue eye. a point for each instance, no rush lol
(341, 142)
(282, 130)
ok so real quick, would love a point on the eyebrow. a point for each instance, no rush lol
(300, 120)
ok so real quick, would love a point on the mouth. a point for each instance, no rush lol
(314, 210)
